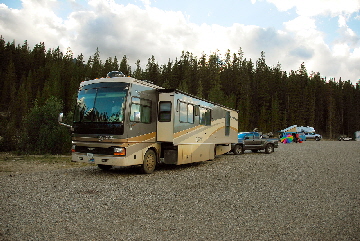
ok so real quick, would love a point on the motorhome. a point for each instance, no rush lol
(122, 121)
(304, 132)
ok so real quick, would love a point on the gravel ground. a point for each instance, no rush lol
(307, 191)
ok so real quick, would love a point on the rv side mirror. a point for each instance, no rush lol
(60, 118)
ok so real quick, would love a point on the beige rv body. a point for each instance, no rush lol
(180, 128)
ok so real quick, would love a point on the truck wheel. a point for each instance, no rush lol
(149, 162)
(238, 150)
(269, 148)
(104, 167)
(317, 139)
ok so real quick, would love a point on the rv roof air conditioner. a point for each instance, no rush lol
(113, 74)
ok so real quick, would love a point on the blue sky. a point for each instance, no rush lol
(226, 13)
(324, 34)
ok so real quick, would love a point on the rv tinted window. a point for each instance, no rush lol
(165, 111)
(186, 112)
(183, 112)
(140, 110)
(205, 116)
(190, 113)
(100, 105)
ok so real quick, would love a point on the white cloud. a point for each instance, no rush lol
(335, 59)
(356, 54)
(302, 25)
(341, 49)
(139, 33)
(342, 21)
(146, 2)
(347, 36)
(34, 21)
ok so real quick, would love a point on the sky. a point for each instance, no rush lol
(322, 34)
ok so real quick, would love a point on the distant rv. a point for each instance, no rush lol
(122, 121)
(304, 132)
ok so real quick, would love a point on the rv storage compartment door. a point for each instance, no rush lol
(165, 123)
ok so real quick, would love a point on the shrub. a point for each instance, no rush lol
(42, 133)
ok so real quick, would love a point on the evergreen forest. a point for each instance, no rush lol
(36, 84)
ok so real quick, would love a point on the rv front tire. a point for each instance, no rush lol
(149, 162)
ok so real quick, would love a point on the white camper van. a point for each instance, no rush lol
(121, 121)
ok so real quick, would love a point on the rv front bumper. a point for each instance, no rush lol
(113, 160)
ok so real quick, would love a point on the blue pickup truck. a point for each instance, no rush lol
(255, 142)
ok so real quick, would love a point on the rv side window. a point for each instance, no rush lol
(140, 110)
(190, 113)
(186, 112)
(165, 111)
(205, 116)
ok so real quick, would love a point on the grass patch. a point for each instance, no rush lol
(12, 163)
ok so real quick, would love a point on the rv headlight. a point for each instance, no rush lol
(119, 151)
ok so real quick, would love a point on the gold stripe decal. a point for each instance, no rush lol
(180, 133)
(142, 138)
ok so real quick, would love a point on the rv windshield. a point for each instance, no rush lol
(102, 104)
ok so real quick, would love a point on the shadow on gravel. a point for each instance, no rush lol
(136, 171)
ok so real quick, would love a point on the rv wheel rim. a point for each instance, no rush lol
(150, 161)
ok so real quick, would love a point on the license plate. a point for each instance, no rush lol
(91, 157)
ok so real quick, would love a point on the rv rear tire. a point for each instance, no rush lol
(149, 162)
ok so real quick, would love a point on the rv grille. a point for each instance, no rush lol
(95, 150)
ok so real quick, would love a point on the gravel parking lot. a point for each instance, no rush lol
(307, 191)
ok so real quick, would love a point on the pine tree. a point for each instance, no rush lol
(166, 75)
(124, 66)
(138, 74)
(95, 66)
(152, 70)
(9, 88)
(108, 66)
(268, 98)
(203, 77)
(216, 93)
